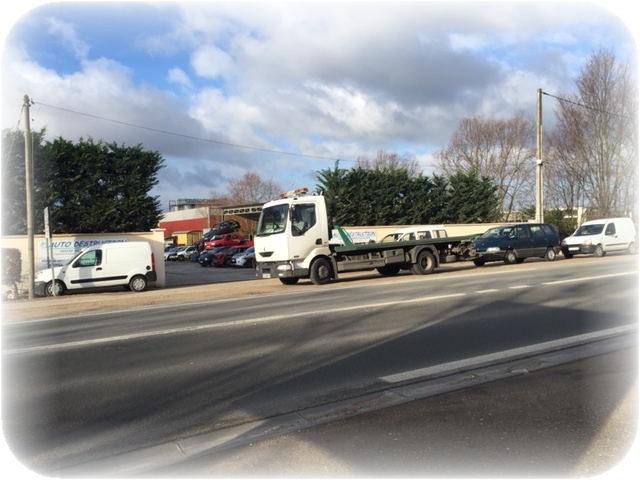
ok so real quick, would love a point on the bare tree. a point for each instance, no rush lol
(252, 189)
(500, 149)
(594, 153)
(392, 161)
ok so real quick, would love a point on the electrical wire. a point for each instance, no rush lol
(165, 132)
(585, 106)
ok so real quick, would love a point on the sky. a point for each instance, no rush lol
(286, 89)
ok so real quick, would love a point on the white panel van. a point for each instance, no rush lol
(130, 264)
(598, 237)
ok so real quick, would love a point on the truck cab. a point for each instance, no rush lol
(292, 231)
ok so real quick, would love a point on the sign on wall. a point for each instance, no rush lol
(64, 249)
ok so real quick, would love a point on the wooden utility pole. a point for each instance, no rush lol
(28, 166)
(539, 199)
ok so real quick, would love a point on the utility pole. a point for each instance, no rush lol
(28, 166)
(539, 202)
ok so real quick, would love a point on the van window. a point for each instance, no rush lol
(536, 230)
(521, 232)
(89, 259)
(611, 229)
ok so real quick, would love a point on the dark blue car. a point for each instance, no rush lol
(513, 243)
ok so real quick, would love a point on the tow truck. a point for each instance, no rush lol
(293, 242)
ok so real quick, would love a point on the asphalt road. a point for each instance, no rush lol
(89, 386)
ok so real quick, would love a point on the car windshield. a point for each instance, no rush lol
(272, 220)
(589, 230)
(497, 232)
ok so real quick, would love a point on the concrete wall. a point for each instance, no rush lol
(73, 242)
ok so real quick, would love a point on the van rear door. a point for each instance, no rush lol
(611, 239)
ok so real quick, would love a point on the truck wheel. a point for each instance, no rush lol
(425, 263)
(388, 270)
(550, 255)
(289, 280)
(599, 251)
(320, 273)
(478, 263)
(60, 288)
(510, 258)
(138, 283)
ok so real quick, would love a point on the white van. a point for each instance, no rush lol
(601, 236)
(130, 264)
(415, 232)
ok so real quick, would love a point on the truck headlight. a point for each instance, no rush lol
(285, 268)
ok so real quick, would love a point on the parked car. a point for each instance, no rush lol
(170, 252)
(598, 237)
(514, 243)
(226, 240)
(129, 264)
(173, 254)
(226, 226)
(205, 258)
(244, 259)
(224, 256)
(185, 253)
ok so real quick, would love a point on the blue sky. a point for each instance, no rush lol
(218, 88)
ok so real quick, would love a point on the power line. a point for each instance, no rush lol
(585, 106)
(165, 132)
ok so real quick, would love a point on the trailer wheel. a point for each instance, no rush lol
(289, 280)
(425, 263)
(320, 272)
(388, 270)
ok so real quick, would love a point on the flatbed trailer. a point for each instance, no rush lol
(420, 256)
(293, 242)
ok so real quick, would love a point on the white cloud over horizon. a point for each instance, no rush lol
(219, 86)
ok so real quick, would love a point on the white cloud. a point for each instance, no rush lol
(328, 79)
(69, 37)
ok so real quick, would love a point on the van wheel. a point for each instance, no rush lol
(425, 263)
(568, 256)
(510, 257)
(138, 283)
(550, 255)
(320, 273)
(632, 249)
(60, 288)
(599, 251)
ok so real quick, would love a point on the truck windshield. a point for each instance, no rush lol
(272, 220)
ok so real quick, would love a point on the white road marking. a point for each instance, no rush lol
(505, 354)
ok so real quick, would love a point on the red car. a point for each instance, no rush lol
(223, 257)
(226, 240)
